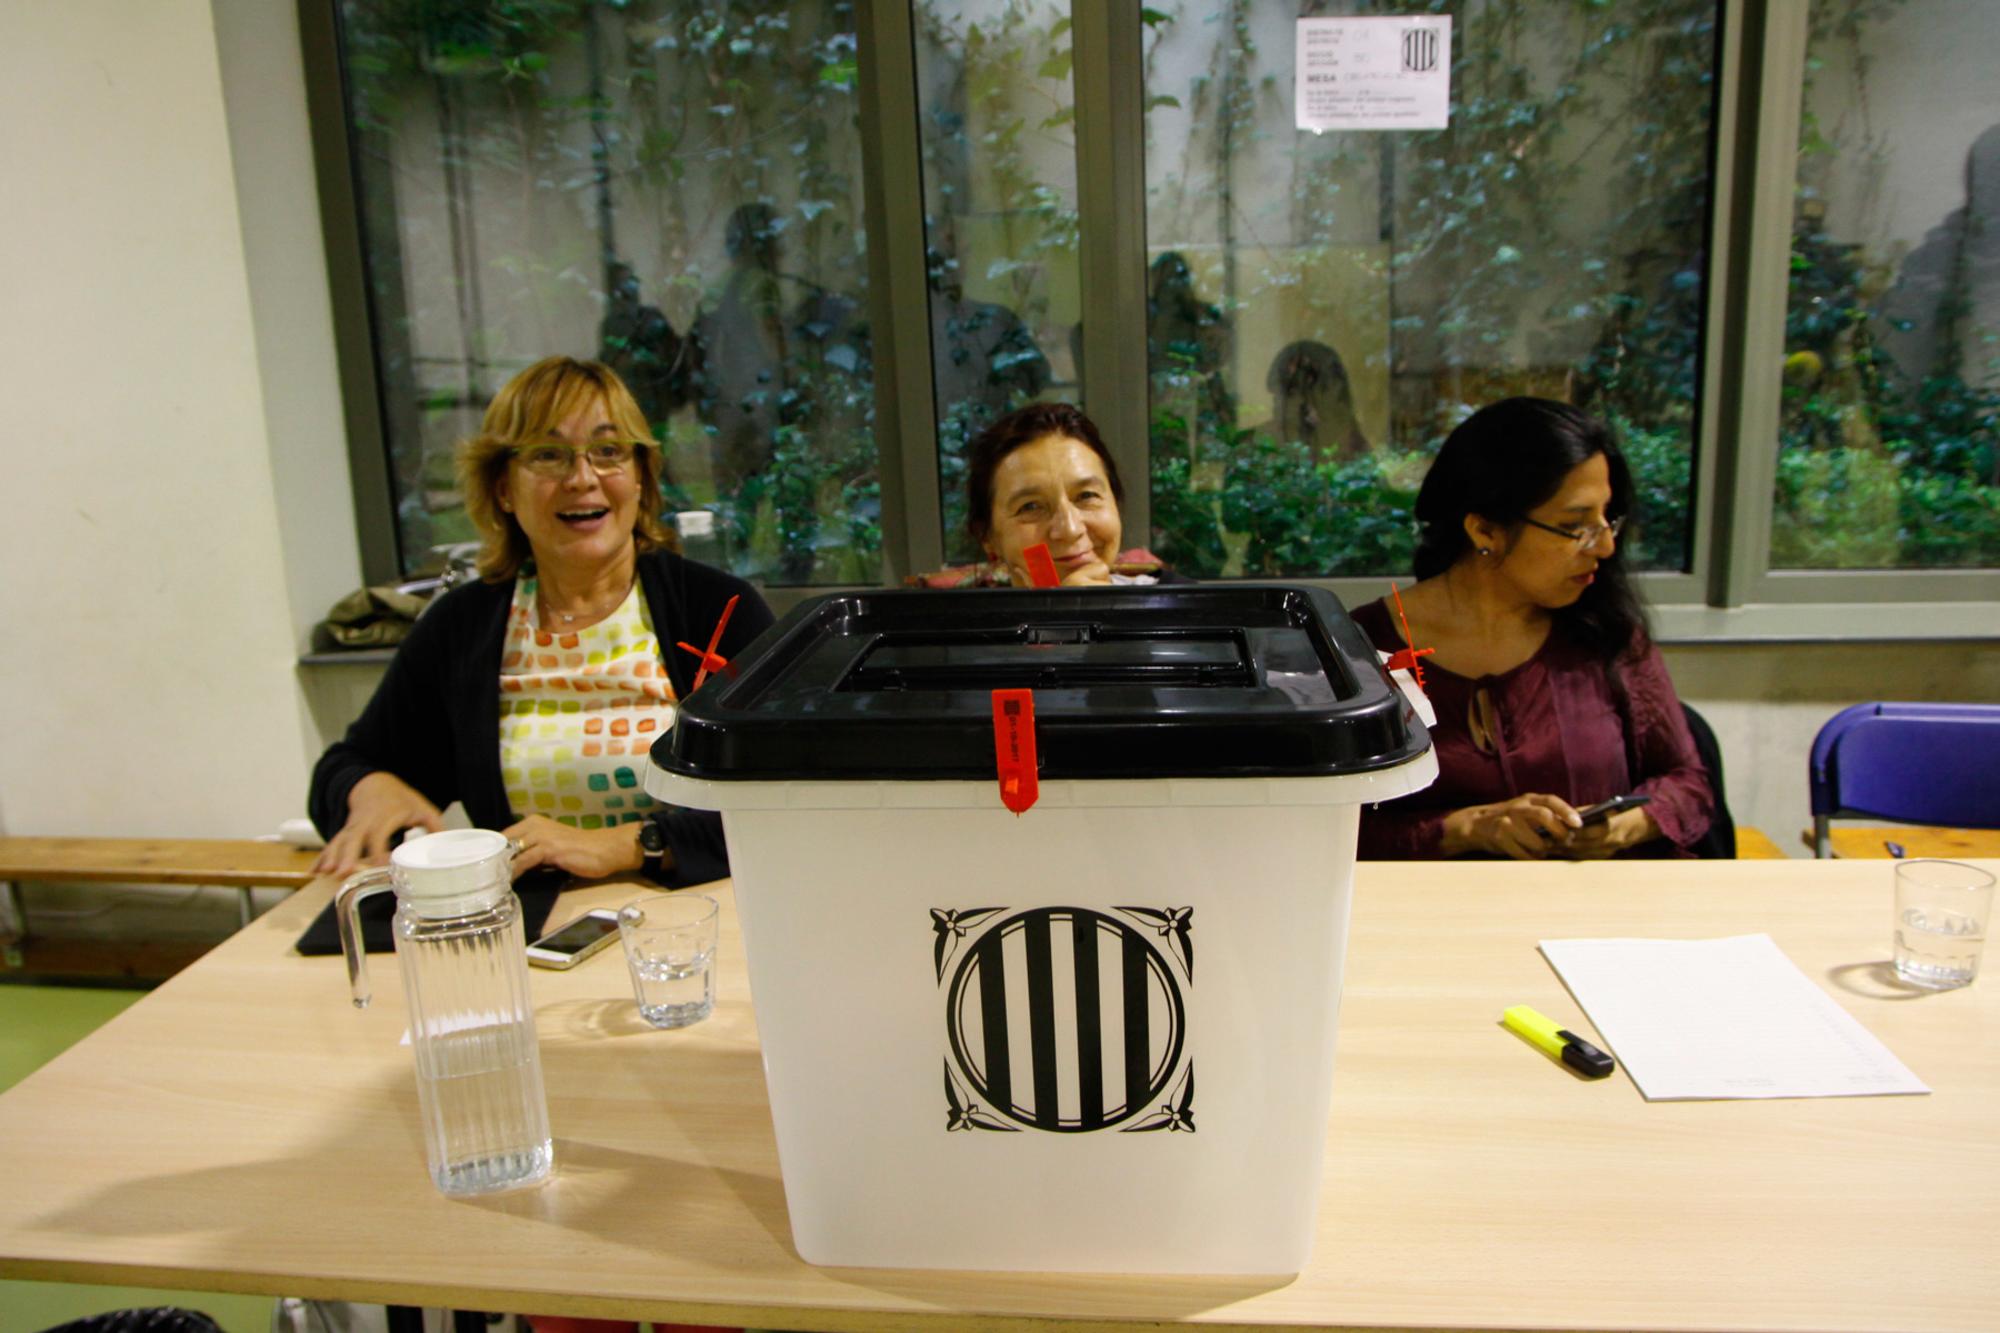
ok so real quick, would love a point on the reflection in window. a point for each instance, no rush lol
(1322, 309)
(674, 186)
(1890, 404)
(1000, 225)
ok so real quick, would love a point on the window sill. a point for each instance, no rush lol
(368, 657)
(1767, 622)
(1828, 622)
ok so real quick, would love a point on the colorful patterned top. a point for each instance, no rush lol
(578, 712)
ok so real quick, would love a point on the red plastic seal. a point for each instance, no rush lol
(709, 661)
(1014, 748)
(1041, 565)
(1406, 659)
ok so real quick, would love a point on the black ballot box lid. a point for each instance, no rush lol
(1218, 680)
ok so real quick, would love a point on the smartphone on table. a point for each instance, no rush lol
(1603, 810)
(569, 945)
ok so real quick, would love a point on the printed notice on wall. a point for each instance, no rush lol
(1374, 73)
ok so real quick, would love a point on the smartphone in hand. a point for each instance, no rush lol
(1603, 810)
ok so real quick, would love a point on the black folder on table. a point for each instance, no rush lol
(537, 891)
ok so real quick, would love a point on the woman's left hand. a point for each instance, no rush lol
(585, 853)
(1594, 842)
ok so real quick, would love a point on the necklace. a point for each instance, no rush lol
(589, 611)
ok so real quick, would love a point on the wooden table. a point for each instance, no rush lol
(244, 1128)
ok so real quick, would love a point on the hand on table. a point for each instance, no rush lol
(585, 853)
(379, 807)
(1527, 828)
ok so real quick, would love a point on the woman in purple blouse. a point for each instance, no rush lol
(1550, 694)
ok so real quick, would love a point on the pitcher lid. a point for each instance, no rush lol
(454, 864)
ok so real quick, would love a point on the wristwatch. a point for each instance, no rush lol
(652, 842)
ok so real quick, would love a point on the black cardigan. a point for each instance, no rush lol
(435, 719)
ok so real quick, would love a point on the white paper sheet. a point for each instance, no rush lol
(1723, 1018)
(1384, 72)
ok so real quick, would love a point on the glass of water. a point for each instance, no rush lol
(1942, 910)
(669, 943)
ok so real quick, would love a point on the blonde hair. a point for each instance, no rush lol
(527, 410)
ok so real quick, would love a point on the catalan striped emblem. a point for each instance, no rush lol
(1066, 1019)
(1420, 49)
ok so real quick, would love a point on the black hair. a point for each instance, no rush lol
(1025, 425)
(1509, 458)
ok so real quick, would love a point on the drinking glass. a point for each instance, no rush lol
(1942, 910)
(669, 943)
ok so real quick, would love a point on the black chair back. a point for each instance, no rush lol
(1719, 843)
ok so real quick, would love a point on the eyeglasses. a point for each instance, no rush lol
(1585, 538)
(556, 459)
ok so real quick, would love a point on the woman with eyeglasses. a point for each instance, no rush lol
(534, 695)
(1549, 692)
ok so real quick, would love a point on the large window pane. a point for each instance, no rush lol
(1890, 403)
(673, 185)
(1000, 225)
(1324, 308)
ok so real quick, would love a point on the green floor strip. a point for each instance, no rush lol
(36, 1024)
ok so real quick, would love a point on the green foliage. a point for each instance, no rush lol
(1861, 508)
(1948, 521)
(1252, 506)
(1562, 108)
(1014, 87)
(1599, 108)
(1558, 109)
(813, 516)
(1875, 470)
(1836, 510)
(1186, 533)
(1658, 459)
(649, 122)
(1303, 514)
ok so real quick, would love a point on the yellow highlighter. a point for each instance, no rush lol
(1564, 1045)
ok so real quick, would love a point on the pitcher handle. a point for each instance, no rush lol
(347, 915)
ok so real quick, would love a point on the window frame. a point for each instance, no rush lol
(1730, 592)
(1759, 115)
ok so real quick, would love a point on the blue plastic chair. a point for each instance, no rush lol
(1916, 763)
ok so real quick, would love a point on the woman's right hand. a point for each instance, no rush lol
(379, 807)
(1527, 828)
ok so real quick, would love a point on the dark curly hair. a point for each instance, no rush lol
(1025, 425)
(1507, 459)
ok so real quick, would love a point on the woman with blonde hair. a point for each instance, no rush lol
(534, 695)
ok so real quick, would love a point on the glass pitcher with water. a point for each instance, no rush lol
(462, 953)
